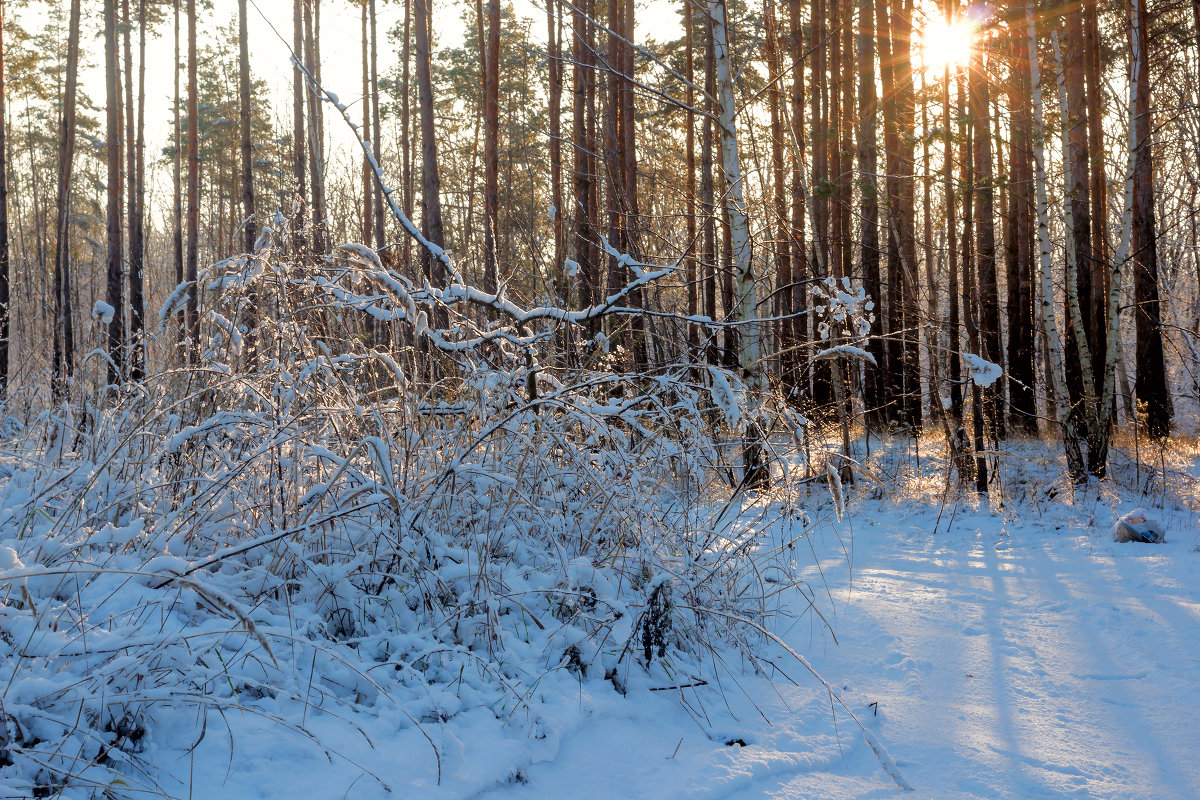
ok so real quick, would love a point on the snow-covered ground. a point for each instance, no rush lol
(1020, 655)
(1005, 651)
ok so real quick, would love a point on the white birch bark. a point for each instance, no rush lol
(1053, 341)
(1072, 283)
(749, 346)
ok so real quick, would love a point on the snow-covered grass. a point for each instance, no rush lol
(402, 554)
(390, 540)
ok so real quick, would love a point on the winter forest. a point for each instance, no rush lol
(599, 398)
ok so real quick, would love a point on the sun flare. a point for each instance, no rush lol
(945, 43)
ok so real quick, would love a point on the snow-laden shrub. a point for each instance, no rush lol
(366, 495)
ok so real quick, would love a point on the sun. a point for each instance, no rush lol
(945, 43)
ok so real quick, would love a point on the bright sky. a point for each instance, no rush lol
(341, 54)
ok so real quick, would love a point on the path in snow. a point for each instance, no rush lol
(1008, 660)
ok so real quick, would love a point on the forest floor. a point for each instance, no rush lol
(1018, 653)
(1002, 648)
(1012, 651)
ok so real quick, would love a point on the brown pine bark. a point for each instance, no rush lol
(1019, 262)
(406, 154)
(584, 169)
(137, 214)
(5, 327)
(708, 191)
(799, 249)
(368, 177)
(431, 204)
(689, 168)
(1151, 381)
(868, 165)
(985, 232)
(191, 269)
(176, 175)
(299, 146)
(316, 143)
(64, 336)
(491, 146)
(376, 138)
(554, 52)
(250, 230)
(114, 238)
(779, 205)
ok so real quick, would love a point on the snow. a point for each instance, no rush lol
(103, 312)
(1013, 652)
(1010, 656)
(983, 372)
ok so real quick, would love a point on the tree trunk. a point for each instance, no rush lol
(406, 132)
(177, 180)
(376, 138)
(708, 191)
(368, 176)
(299, 147)
(985, 233)
(553, 39)
(115, 242)
(1021, 372)
(64, 337)
(137, 214)
(192, 268)
(431, 217)
(1054, 366)
(491, 146)
(798, 324)
(756, 475)
(1151, 380)
(868, 165)
(779, 208)
(316, 143)
(5, 310)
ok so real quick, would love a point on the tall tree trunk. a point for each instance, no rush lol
(1099, 186)
(902, 11)
(406, 131)
(708, 190)
(176, 175)
(893, 363)
(985, 233)
(1076, 159)
(376, 138)
(553, 39)
(954, 332)
(64, 337)
(299, 146)
(1151, 381)
(629, 170)
(129, 169)
(368, 176)
(491, 146)
(795, 292)
(1021, 372)
(192, 268)
(431, 204)
(779, 207)
(114, 294)
(137, 215)
(316, 142)
(868, 104)
(584, 157)
(756, 475)
(1054, 347)
(5, 310)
